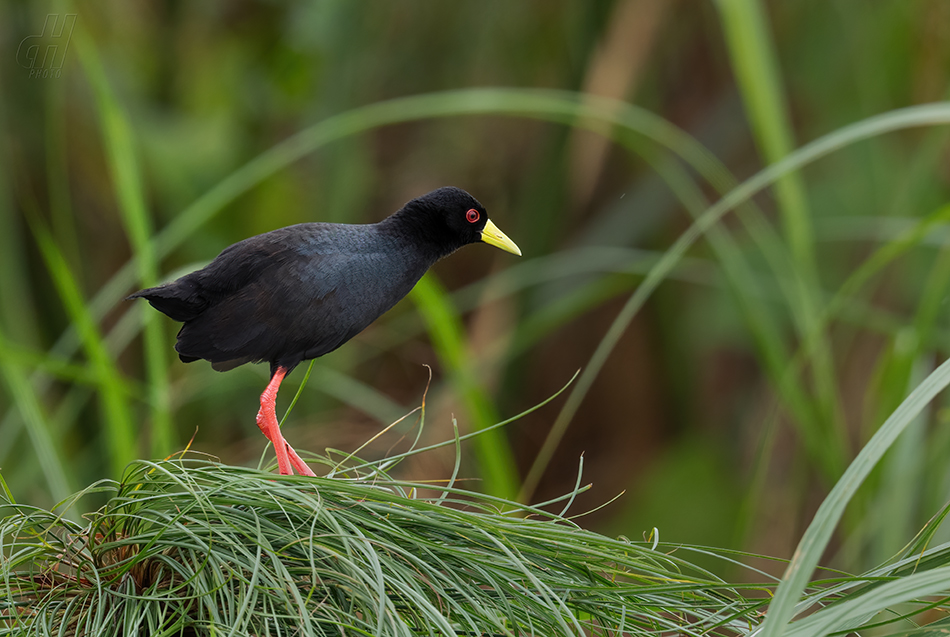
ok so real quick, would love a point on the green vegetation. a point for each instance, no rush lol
(734, 218)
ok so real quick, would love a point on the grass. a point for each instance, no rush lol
(754, 60)
(199, 547)
(190, 546)
(123, 161)
(816, 538)
(493, 454)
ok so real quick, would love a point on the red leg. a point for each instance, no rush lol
(267, 422)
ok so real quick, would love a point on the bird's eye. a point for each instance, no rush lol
(472, 215)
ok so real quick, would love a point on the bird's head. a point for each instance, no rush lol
(451, 218)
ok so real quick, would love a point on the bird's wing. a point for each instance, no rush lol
(244, 262)
(237, 266)
(292, 306)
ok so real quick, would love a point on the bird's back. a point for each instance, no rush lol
(288, 295)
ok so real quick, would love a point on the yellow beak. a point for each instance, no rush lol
(495, 237)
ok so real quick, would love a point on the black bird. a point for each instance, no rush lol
(299, 292)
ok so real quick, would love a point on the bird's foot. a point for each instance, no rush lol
(298, 462)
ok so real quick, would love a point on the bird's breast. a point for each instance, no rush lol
(335, 295)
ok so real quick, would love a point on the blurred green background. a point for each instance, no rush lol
(723, 406)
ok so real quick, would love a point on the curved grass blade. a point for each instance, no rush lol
(37, 425)
(495, 457)
(117, 416)
(816, 537)
(124, 167)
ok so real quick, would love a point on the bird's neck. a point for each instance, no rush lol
(421, 233)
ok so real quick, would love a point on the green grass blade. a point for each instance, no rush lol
(116, 414)
(902, 470)
(912, 237)
(124, 167)
(356, 394)
(910, 354)
(55, 367)
(18, 315)
(495, 457)
(389, 460)
(63, 217)
(754, 61)
(823, 441)
(908, 238)
(755, 64)
(895, 120)
(303, 384)
(852, 613)
(816, 537)
(37, 425)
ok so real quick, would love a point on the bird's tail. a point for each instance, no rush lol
(178, 300)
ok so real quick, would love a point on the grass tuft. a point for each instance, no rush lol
(193, 547)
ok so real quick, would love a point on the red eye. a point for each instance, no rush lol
(472, 215)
